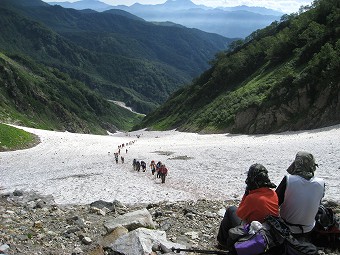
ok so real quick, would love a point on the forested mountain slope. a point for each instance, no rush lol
(120, 57)
(283, 77)
(36, 96)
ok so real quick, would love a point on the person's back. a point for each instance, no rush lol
(258, 202)
(304, 195)
(163, 172)
(300, 194)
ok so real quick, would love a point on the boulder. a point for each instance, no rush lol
(100, 204)
(141, 241)
(132, 221)
(113, 236)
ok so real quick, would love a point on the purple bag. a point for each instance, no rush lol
(252, 244)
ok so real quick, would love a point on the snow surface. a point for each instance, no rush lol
(80, 168)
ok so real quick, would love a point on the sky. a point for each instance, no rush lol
(286, 6)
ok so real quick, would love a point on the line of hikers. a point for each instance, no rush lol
(296, 201)
(156, 168)
(116, 154)
(120, 147)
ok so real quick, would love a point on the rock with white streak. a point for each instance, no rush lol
(4, 248)
(132, 220)
(141, 241)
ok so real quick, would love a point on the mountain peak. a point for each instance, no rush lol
(180, 3)
(84, 4)
(24, 3)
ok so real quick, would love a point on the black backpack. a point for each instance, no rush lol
(284, 241)
(325, 218)
(326, 232)
(294, 247)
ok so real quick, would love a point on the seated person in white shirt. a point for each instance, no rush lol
(300, 194)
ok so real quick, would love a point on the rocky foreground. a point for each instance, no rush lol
(33, 224)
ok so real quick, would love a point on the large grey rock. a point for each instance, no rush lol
(113, 236)
(4, 248)
(132, 221)
(100, 204)
(141, 241)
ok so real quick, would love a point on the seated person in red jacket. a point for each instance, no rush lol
(259, 201)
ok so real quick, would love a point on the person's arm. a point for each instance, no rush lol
(324, 189)
(281, 189)
(245, 208)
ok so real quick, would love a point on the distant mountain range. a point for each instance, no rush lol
(84, 4)
(232, 22)
(78, 60)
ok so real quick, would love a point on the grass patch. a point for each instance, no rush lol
(12, 138)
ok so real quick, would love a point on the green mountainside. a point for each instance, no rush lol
(12, 138)
(43, 97)
(120, 57)
(283, 77)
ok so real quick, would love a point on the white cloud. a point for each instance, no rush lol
(287, 6)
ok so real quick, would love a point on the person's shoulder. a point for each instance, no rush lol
(319, 180)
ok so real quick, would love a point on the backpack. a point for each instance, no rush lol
(325, 218)
(249, 239)
(252, 244)
(294, 247)
(326, 231)
(283, 238)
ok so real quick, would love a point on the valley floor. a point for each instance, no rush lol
(80, 168)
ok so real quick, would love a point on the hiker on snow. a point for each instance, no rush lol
(259, 201)
(138, 166)
(116, 157)
(153, 167)
(163, 171)
(143, 165)
(158, 166)
(134, 164)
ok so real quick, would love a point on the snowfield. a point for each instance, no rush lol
(80, 168)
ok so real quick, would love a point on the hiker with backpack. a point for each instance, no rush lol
(134, 164)
(153, 167)
(137, 166)
(158, 166)
(116, 157)
(143, 165)
(259, 201)
(300, 194)
(163, 171)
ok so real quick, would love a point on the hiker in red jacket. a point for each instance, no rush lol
(163, 171)
(259, 201)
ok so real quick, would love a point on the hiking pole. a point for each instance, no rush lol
(178, 250)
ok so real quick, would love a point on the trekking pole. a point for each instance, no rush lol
(178, 250)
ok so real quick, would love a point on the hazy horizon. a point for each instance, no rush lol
(286, 6)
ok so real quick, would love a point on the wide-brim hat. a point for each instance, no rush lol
(304, 162)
